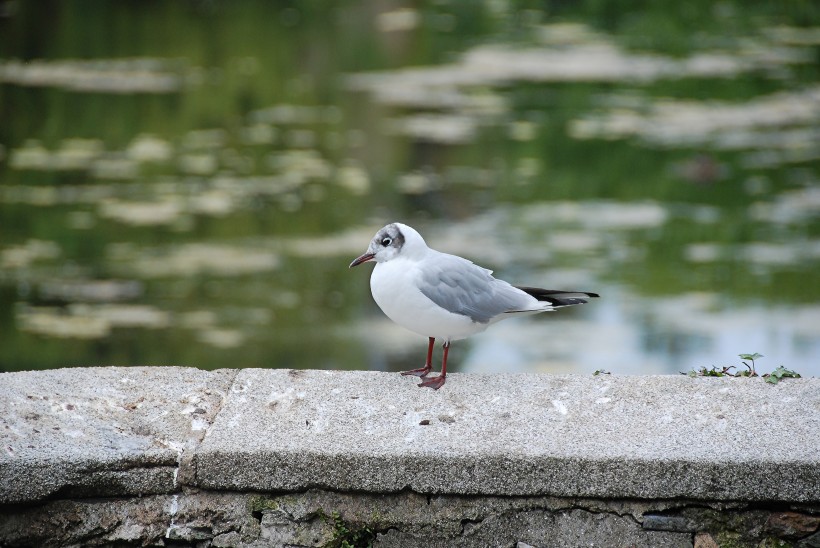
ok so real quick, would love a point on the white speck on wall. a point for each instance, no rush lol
(172, 511)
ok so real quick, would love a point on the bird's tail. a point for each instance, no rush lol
(558, 298)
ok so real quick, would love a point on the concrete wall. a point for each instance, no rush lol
(183, 457)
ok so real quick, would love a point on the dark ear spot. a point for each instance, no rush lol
(399, 240)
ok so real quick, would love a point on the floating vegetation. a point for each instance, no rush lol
(123, 315)
(205, 139)
(149, 148)
(99, 76)
(215, 203)
(74, 154)
(340, 243)
(204, 157)
(86, 321)
(198, 164)
(353, 177)
(439, 128)
(794, 254)
(789, 118)
(790, 207)
(571, 53)
(56, 322)
(142, 213)
(80, 220)
(115, 167)
(258, 134)
(398, 20)
(193, 259)
(602, 215)
(90, 155)
(300, 165)
(97, 321)
(23, 256)
(595, 228)
(796, 36)
(197, 319)
(172, 200)
(221, 338)
(417, 183)
(575, 60)
(42, 195)
(205, 324)
(90, 290)
(285, 114)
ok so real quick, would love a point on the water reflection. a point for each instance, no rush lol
(100, 75)
(783, 122)
(196, 201)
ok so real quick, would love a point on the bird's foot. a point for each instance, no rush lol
(420, 372)
(434, 382)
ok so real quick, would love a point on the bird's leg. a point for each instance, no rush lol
(428, 365)
(438, 381)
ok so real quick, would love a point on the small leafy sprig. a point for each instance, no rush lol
(773, 378)
(781, 373)
(751, 368)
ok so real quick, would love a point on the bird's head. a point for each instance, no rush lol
(390, 242)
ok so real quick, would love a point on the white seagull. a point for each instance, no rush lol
(442, 296)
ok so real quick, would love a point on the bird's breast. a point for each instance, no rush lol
(395, 288)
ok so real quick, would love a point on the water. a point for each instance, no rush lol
(186, 184)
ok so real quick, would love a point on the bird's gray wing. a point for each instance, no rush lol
(462, 287)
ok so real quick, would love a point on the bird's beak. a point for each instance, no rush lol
(362, 259)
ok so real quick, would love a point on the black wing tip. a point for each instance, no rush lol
(536, 291)
(558, 297)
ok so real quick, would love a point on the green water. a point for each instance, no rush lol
(185, 183)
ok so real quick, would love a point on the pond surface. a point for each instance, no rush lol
(185, 183)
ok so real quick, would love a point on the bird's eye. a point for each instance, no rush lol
(386, 242)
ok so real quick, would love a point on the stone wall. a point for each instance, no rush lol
(181, 457)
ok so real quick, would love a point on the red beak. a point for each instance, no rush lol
(362, 259)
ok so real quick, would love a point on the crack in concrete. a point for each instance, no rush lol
(188, 466)
(220, 406)
(408, 517)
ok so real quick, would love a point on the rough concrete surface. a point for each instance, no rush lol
(102, 431)
(152, 456)
(404, 520)
(525, 434)
(112, 431)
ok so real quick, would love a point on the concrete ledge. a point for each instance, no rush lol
(606, 436)
(134, 431)
(254, 458)
(103, 431)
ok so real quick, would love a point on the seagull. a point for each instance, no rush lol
(443, 296)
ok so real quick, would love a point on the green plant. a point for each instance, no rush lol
(780, 373)
(713, 372)
(261, 503)
(773, 378)
(751, 368)
(346, 535)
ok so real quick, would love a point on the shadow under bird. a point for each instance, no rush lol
(443, 296)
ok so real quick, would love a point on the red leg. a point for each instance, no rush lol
(421, 372)
(438, 381)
